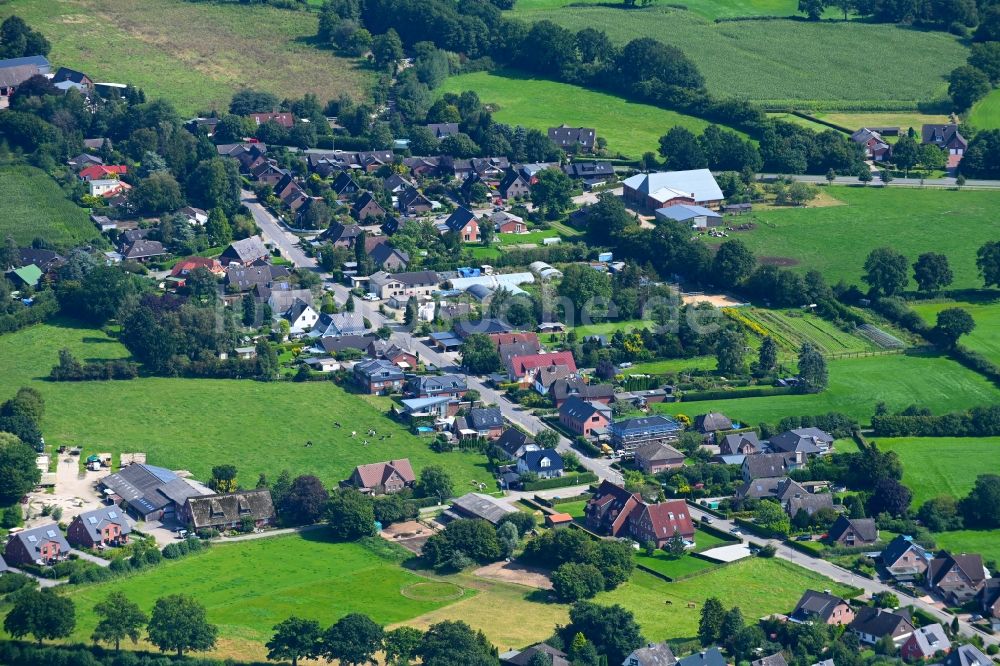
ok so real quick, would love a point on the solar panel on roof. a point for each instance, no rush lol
(92, 520)
(50, 533)
(112, 514)
(32, 538)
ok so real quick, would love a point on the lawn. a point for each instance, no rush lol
(986, 112)
(672, 567)
(857, 385)
(792, 328)
(629, 127)
(530, 238)
(710, 9)
(836, 239)
(985, 339)
(758, 586)
(904, 121)
(608, 328)
(33, 205)
(249, 587)
(935, 466)
(575, 509)
(222, 47)
(984, 542)
(674, 365)
(789, 62)
(194, 424)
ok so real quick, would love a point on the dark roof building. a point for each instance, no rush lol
(477, 505)
(443, 130)
(584, 138)
(712, 422)
(776, 659)
(873, 624)
(630, 434)
(484, 419)
(822, 607)
(652, 654)
(767, 465)
(43, 545)
(741, 443)
(710, 657)
(246, 252)
(967, 655)
(149, 492)
(229, 511)
(515, 443)
(853, 531)
(106, 525)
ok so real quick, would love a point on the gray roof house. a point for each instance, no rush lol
(712, 422)
(339, 324)
(925, 642)
(776, 659)
(429, 386)
(515, 443)
(247, 251)
(652, 654)
(709, 657)
(873, 624)
(230, 510)
(39, 545)
(806, 441)
(967, 655)
(571, 137)
(103, 525)
(698, 217)
(766, 465)
(484, 419)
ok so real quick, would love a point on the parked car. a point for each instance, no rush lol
(706, 519)
(369, 297)
(736, 531)
(804, 537)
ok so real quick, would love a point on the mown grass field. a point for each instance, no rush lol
(985, 113)
(874, 119)
(793, 328)
(194, 424)
(33, 205)
(194, 54)
(710, 9)
(985, 339)
(934, 466)
(249, 587)
(984, 542)
(758, 586)
(674, 365)
(673, 567)
(835, 240)
(857, 385)
(782, 61)
(629, 127)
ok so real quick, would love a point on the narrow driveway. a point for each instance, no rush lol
(99, 561)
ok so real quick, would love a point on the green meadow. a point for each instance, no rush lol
(196, 54)
(835, 239)
(194, 424)
(985, 339)
(32, 205)
(631, 128)
(934, 466)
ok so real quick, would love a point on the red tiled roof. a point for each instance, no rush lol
(670, 517)
(284, 119)
(522, 364)
(100, 171)
(376, 474)
(510, 338)
(185, 266)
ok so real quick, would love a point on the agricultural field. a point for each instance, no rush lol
(986, 112)
(836, 239)
(222, 48)
(194, 424)
(709, 9)
(758, 586)
(984, 542)
(630, 128)
(785, 62)
(307, 575)
(935, 466)
(985, 339)
(32, 205)
(792, 328)
(857, 385)
(904, 121)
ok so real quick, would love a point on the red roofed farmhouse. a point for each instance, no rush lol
(383, 478)
(523, 368)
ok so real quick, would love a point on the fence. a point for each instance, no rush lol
(862, 354)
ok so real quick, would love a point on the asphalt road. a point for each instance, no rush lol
(895, 182)
(288, 244)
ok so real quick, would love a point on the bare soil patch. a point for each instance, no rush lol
(512, 572)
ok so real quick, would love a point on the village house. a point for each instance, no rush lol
(873, 624)
(393, 353)
(925, 642)
(767, 465)
(241, 278)
(905, 559)
(378, 376)
(106, 526)
(652, 654)
(876, 148)
(342, 235)
(514, 186)
(776, 659)
(402, 286)
(658, 457)
(464, 224)
(411, 202)
(102, 172)
(143, 250)
(230, 511)
(47, 261)
(989, 601)
(301, 317)
(42, 545)
(246, 252)
(443, 130)
(523, 368)
(107, 187)
(389, 258)
(571, 139)
(591, 174)
(434, 386)
(552, 656)
(583, 418)
(485, 421)
(628, 435)
(15, 71)
(616, 512)
(547, 375)
(514, 443)
(740, 444)
(853, 532)
(544, 463)
(367, 207)
(967, 655)
(338, 324)
(822, 607)
(957, 577)
(709, 657)
(712, 422)
(803, 442)
(343, 185)
(564, 389)
(508, 223)
(284, 119)
(651, 191)
(947, 137)
(383, 478)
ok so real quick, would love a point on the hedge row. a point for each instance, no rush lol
(758, 392)
(562, 481)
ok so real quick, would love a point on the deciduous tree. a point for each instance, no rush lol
(179, 623)
(120, 618)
